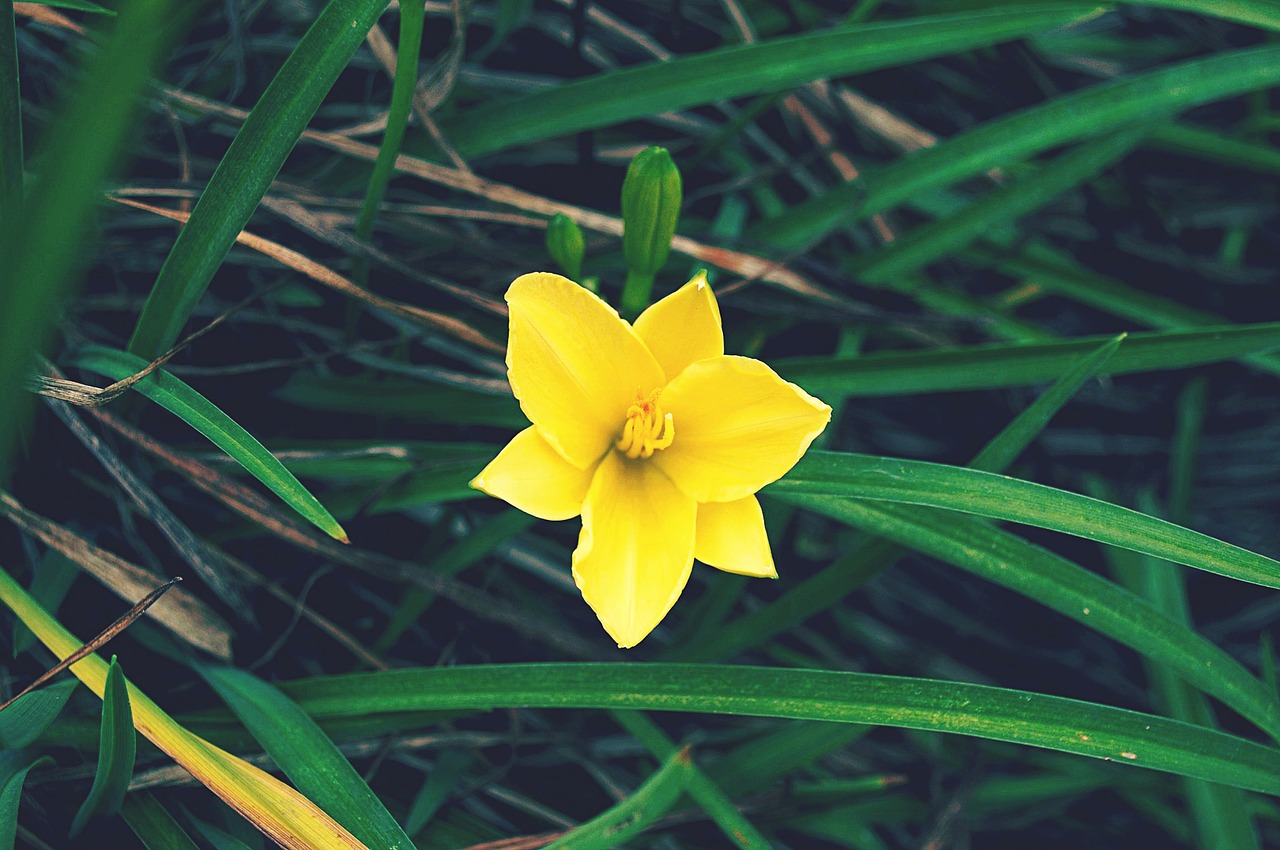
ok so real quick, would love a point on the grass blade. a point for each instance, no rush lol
(153, 824)
(289, 818)
(1039, 720)
(83, 144)
(246, 171)
(999, 497)
(198, 412)
(406, 82)
(116, 749)
(1053, 581)
(984, 367)
(29, 715)
(14, 766)
(11, 158)
(629, 817)
(737, 71)
(704, 791)
(853, 570)
(306, 755)
(1090, 112)
(891, 265)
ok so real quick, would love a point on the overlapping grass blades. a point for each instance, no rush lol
(188, 405)
(247, 169)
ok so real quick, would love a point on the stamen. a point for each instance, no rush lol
(647, 429)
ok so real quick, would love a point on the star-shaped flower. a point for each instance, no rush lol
(651, 433)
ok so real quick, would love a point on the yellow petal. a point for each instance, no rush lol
(683, 327)
(636, 548)
(531, 476)
(731, 537)
(738, 427)
(574, 365)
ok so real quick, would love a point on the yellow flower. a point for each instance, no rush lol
(650, 432)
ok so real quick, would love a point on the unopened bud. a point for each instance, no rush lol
(651, 197)
(566, 245)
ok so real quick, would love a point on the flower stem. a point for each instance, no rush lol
(636, 293)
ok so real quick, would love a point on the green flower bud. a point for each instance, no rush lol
(651, 197)
(566, 245)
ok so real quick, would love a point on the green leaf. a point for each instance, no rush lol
(28, 717)
(246, 171)
(854, 569)
(1010, 561)
(404, 398)
(630, 817)
(198, 412)
(82, 146)
(890, 266)
(704, 791)
(116, 749)
(406, 82)
(971, 491)
(1090, 112)
(1218, 812)
(11, 157)
(767, 66)
(50, 582)
(1126, 737)
(443, 779)
(152, 823)
(982, 367)
(14, 766)
(306, 755)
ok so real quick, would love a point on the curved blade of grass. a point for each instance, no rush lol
(11, 158)
(630, 817)
(30, 714)
(284, 815)
(246, 171)
(406, 83)
(116, 749)
(728, 72)
(839, 579)
(1090, 112)
(972, 491)
(198, 412)
(891, 265)
(1000, 714)
(14, 766)
(704, 791)
(82, 146)
(417, 400)
(982, 367)
(306, 755)
(1008, 560)
(1218, 812)
(153, 824)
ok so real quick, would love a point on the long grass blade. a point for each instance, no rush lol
(306, 755)
(1090, 112)
(999, 497)
(116, 749)
(82, 146)
(984, 367)
(766, 66)
(188, 405)
(1008, 560)
(1126, 737)
(246, 171)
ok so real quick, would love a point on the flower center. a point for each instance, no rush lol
(647, 428)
